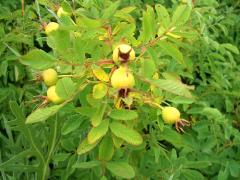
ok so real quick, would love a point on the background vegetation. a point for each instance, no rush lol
(202, 53)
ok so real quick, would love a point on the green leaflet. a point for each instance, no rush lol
(148, 67)
(42, 114)
(38, 59)
(86, 165)
(84, 147)
(121, 169)
(123, 114)
(110, 11)
(171, 50)
(163, 15)
(106, 149)
(173, 86)
(99, 91)
(65, 88)
(181, 15)
(98, 132)
(117, 141)
(148, 24)
(129, 135)
(98, 115)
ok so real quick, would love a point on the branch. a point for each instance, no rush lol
(22, 7)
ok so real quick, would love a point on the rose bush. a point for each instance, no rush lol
(102, 84)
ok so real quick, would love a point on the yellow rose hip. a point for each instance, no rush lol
(52, 95)
(122, 78)
(123, 53)
(170, 115)
(50, 77)
(52, 26)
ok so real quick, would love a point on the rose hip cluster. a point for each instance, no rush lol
(122, 78)
(50, 78)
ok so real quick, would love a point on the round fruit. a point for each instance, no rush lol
(52, 95)
(123, 53)
(122, 78)
(50, 77)
(61, 12)
(170, 115)
(52, 26)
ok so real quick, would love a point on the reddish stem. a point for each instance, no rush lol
(105, 62)
(22, 7)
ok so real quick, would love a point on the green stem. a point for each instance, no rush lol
(70, 75)
(51, 149)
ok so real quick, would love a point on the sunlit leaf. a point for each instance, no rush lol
(38, 59)
(149, 24)
(129, 135)
(163, 15)
(100, 74)
(40, 115)
(173, 86)
(181, 15)
(65, 87)
(98, 132)
(123, 114)
(85, 147)
(96, 119)
(99, 90)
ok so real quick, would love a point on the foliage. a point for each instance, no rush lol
(186, 57)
